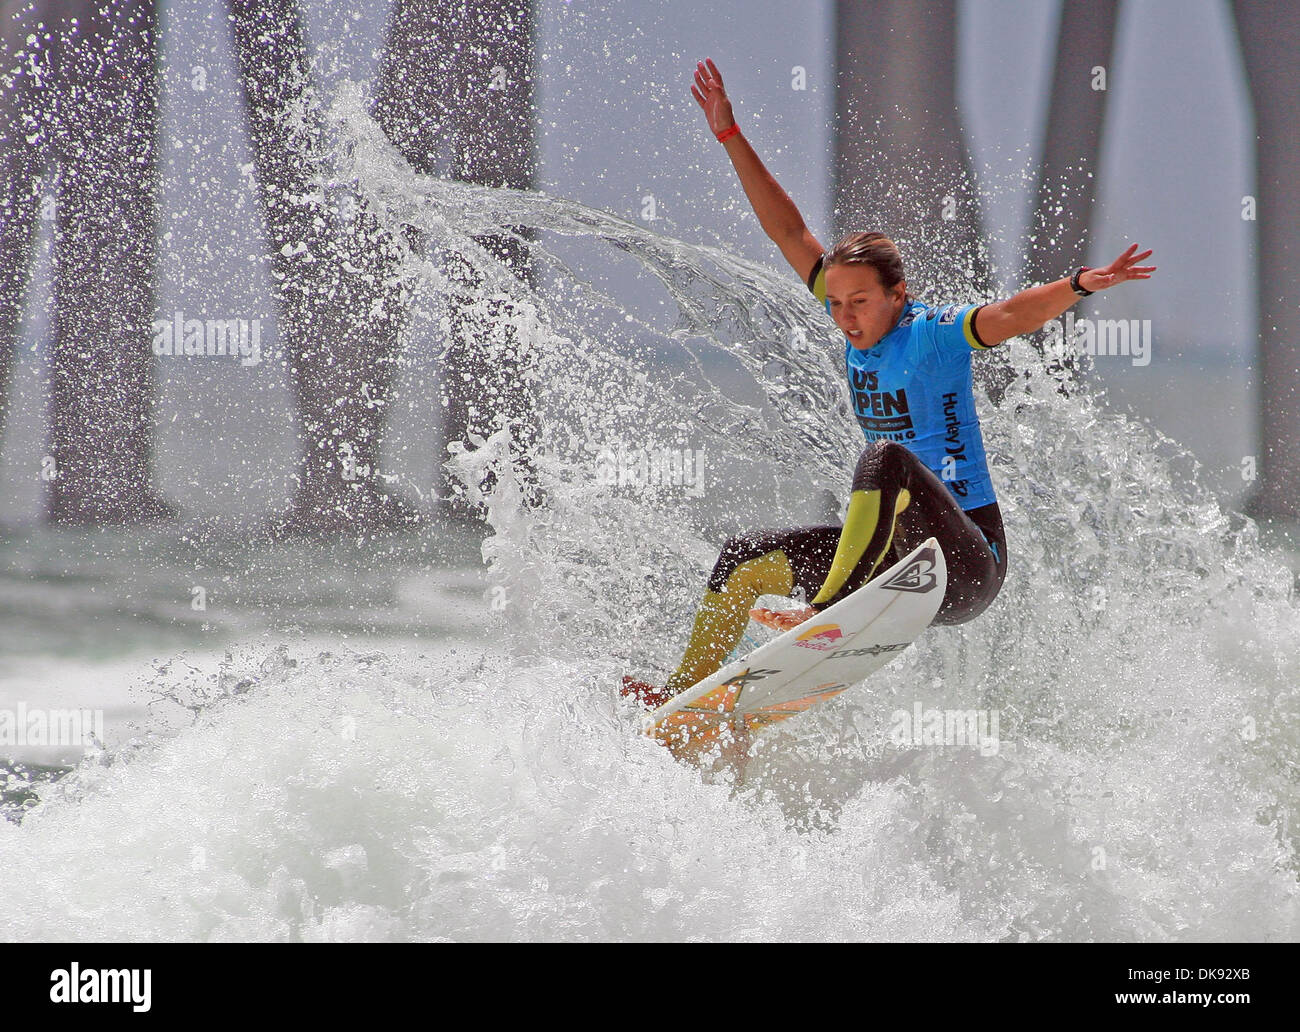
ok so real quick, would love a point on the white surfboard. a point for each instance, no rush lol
(815, 661)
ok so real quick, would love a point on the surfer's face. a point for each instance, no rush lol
(860, 305)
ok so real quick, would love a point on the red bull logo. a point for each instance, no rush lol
(823, 637)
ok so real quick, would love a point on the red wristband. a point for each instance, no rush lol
(727, 134)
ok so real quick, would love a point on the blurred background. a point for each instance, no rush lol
(323, 325)
(162, 172)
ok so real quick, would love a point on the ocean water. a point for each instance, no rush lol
(420, 738)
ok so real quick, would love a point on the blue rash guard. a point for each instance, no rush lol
(914, 387)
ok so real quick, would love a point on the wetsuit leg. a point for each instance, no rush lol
(763, 562)
(897, 502)
(829, 562)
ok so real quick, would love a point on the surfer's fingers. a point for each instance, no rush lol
(713, 70)
(1128, 259)
(1125, 257)
(709, 88)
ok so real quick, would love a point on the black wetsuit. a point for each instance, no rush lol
(973, 541)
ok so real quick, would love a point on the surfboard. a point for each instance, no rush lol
(810, 663)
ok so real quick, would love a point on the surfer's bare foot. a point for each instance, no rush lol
(646, 694)
(782, 619)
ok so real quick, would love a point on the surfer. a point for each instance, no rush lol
(923, 472)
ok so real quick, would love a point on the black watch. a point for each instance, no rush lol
(1074, 281)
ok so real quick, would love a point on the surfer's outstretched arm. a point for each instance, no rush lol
(1030, 309)
(776, 212)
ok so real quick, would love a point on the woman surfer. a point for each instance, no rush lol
(923, 472)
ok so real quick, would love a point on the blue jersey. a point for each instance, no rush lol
(914, 387)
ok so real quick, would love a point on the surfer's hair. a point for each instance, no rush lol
(869, 248)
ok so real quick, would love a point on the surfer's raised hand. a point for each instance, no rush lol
(1123, 268)
(1030, 309)
(709, 93)
(776, 213)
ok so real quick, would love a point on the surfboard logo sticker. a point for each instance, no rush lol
(873, 650)
(915, 576)
(823, 637)
(724, 697)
